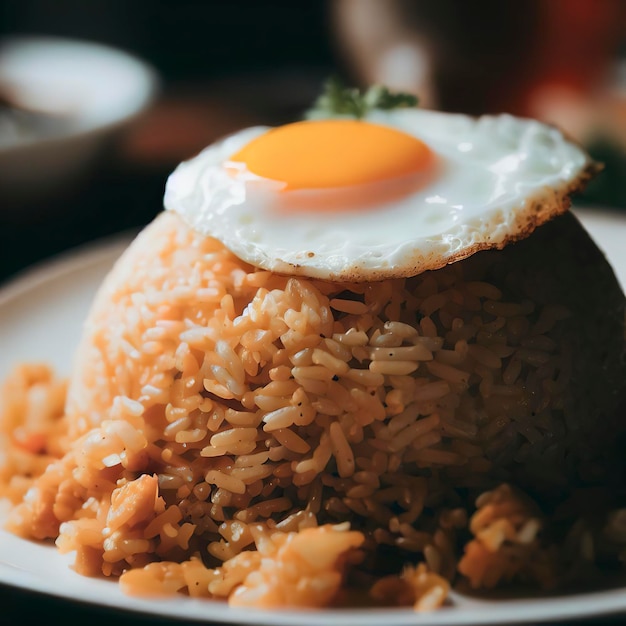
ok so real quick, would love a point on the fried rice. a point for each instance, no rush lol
(272, 441)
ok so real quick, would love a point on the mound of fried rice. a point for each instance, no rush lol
(276, 441)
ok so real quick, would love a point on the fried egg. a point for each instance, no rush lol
(387, 196)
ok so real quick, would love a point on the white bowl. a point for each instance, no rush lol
(97, 89)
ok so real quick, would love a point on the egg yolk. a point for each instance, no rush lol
(326, 154)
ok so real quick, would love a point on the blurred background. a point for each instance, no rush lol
(188, 72)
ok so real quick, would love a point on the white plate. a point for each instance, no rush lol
(41, 315)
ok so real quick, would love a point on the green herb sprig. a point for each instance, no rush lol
(337, 99)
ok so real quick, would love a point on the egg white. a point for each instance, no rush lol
(497, 178)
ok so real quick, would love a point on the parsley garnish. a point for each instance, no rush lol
(337, 99)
